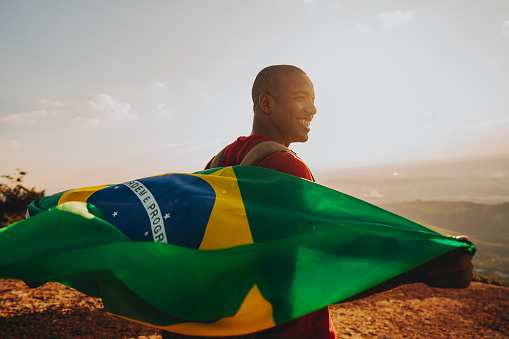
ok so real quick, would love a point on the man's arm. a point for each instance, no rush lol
(451, 270)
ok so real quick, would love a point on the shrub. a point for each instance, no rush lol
(15, 198)
(488, 280)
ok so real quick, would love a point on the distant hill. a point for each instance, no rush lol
(483, 180)
(482, 221)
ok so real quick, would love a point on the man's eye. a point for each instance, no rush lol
(300, 98)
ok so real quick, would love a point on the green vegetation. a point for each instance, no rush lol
(488, 280)
(15, 198)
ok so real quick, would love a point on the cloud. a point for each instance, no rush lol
(104, 105)
(493, 124)
(395, 19)
(361, 29)
(505, 28)
(28, 117)
(52, 109)
(159, 85)
(162, 110)
(9, 144)
(185, 143)
(80, 120)
(206, 96)
(105, 108)
(50, 103)
(309, 3)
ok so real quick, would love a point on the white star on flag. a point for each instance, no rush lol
(116, 187)
(115, 213)
(166, 216)
(146, 233)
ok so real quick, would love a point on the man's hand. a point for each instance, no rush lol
(451, 270)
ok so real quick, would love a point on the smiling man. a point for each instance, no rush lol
(283, 105)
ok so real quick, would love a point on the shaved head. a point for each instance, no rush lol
(268, 81)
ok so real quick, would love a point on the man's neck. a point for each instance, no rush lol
(259, 128)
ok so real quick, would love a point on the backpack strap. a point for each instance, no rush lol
(255, 155)
(218, 159)
(261, 150)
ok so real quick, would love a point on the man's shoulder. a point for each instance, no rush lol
(238, 149)
(287, 162)
(245, 143)
(233, 153)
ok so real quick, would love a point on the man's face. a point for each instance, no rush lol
(293, 111)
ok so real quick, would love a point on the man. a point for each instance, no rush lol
(283, 104)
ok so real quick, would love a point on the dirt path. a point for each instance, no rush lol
(416, 311)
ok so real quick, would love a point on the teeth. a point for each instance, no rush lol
(305, 122)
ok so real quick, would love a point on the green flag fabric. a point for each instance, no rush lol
(219, 252)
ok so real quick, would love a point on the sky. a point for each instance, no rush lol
(95, 92)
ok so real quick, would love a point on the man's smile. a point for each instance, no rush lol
(305, 122)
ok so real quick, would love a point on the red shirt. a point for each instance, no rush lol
(318, 324)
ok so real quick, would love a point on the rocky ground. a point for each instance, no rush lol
(416, 311)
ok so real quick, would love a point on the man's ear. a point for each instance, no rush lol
(264, 101)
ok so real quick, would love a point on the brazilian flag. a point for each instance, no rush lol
(220, 252)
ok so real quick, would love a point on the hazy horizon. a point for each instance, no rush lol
(98, 92)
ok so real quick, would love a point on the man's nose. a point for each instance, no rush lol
(310, 108)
